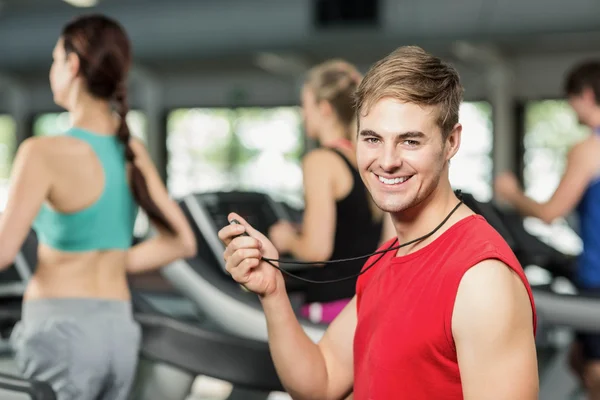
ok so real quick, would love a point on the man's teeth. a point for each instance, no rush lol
(393, 181)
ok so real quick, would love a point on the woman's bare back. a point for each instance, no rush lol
(77, 181)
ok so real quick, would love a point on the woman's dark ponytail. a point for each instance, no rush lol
(104, 53)
(137, 181)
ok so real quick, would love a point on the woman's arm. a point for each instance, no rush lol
(29, 188)
(580, 170)
(165, 247)
(315, 242)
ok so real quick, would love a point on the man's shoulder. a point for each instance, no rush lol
(478, 232)
(492, 287)
(490, 270)
(480, 252)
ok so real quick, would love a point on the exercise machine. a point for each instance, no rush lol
(203, 278)
(177, 345)
(205, 282)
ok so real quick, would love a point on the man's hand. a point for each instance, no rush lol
(243, 256)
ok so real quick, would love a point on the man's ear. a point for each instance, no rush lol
(453, 141)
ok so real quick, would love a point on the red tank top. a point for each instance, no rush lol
(403, 345)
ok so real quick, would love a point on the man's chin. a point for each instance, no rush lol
(392, 207)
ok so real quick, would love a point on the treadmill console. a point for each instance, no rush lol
(258, 209)
(209, 212)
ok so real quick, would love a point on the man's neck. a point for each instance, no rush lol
(424, 218)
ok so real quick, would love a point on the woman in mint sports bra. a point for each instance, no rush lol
(340, 219)
(80, 191)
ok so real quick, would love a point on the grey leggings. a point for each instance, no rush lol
(86, 349)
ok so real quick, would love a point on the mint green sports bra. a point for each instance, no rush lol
(108, 222)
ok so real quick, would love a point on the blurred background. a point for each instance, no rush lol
(215, 86)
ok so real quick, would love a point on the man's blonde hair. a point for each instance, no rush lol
(411, 75)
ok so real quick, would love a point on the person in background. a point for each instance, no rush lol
(340, 219)
(579, 191)
(81, 191)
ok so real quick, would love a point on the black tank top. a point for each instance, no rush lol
(356, 234)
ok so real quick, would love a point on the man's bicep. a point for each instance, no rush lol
(492, 327)
(337, 349)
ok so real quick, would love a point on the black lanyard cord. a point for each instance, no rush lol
(271, 261)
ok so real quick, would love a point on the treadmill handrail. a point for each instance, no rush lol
(231, 313)
(579, 312)
(205, 225)
(36, 390)
(210, 232)
(22, 267)
(243, 362)
(278, 209)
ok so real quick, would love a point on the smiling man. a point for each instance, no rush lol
(450, 316)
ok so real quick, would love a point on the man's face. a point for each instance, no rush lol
(400, 153)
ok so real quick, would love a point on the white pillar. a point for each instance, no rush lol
(149, 91)
(499, 78)
(17, 97)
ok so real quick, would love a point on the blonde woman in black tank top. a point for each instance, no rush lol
(340, 219)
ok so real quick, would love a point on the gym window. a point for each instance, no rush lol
(471, 167)
(50, 124)
(8, 139)
(247, 149)
(551, 129)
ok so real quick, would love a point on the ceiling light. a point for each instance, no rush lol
(82, 3)
(277, 63)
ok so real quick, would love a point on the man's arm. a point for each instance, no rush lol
(308, 371)
(492, 325)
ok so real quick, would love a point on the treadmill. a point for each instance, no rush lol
(177, 343)
(205, 282)
(203, 278)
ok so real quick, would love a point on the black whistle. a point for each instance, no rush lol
(235, 221)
